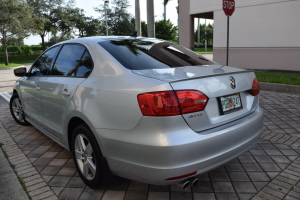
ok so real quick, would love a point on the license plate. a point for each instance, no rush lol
(231, 103)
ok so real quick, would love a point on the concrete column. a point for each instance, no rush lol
(186, 25)
(150, 19)
(138, 18)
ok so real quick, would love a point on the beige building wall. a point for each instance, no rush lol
(186, 24)
(264, 34)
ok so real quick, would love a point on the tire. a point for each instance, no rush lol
(16, 110)
(87, 156)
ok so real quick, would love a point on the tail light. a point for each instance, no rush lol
(168, 103)
(255, 88)
(191, 101)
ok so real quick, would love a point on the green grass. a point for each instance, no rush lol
(276, 77)
(15, 61)
(4, 152)
(23, 184)
(202, 50)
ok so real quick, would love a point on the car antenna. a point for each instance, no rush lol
(134, 34)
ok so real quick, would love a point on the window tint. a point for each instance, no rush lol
(138, 54)
(43, 64)
(86, 65)
(68, 60)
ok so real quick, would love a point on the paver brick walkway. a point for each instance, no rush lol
(269, 170)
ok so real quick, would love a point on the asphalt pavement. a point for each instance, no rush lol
(3, 101)
(8, 79)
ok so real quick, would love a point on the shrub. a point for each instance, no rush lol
(12, 49)
(27, 50)
(20, 52)
(36, 48)
(24, 48)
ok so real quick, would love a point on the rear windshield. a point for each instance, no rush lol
(139, 54)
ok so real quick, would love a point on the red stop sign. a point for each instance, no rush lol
(228, 7)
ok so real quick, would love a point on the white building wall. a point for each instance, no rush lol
(264, 34)
(264, 25)
(202, 6)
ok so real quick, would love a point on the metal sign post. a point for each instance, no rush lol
(228, 7)
(227, 50)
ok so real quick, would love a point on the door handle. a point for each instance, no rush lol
(66, 93)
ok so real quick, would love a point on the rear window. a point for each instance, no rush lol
(139, 54)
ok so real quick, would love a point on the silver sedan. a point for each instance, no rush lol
(140, 108)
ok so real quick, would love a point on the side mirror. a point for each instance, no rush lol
(20, 72)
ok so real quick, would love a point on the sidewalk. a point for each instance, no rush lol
(269, 170)
(10, 188)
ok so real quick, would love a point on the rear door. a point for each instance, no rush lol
(72, 66)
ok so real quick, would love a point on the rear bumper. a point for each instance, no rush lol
(161, 148)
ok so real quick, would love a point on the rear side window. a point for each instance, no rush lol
(139, 54)
(86, 65)
(43, 64)
(68, 60)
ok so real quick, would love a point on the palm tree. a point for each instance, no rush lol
(165, 10)
(137, 18)
(150, 18)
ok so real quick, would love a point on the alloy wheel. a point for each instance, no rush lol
(17, 110)
(85, 157)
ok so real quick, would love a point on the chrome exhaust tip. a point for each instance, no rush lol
(194, 182)
(184, 184)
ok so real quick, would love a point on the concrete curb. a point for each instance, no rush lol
(277, 87)
(6, 96)
(10, 186)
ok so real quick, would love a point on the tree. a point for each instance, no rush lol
(166, 30)
(15, 21)
(45, 14)
(208, 36)
(58, 38)
(61, 21)
(144, 29)
(15, 41)
(93, 27)
(150, 18)
(79, 24)
(137, 18)
(118, 18)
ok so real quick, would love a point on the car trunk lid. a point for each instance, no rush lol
(188, 72)
(215, 82)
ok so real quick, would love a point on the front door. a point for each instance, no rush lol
(32, 85)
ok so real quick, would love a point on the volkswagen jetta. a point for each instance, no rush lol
(140, 108)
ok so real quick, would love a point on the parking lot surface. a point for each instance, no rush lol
(8, 79)
(269, 170)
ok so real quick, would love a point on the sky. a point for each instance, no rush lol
(88, 6)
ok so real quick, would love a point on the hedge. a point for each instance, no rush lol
(16, 48)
